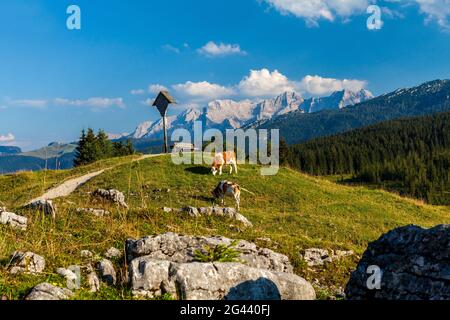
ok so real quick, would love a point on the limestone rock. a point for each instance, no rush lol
(46, 291)
(45, 206)
(107, 272)
(86, 254)
(12, 219)
(113, 253)
(180, 248)
(214, 281)
(96, 212)
(317, 257)
(27, 262)
(112, 195)
(414, 265)
(230, 213)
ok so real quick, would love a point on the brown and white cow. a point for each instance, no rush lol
(222, 159)
(227, 188)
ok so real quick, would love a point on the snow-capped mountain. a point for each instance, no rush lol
(230, 114)
(338, 100)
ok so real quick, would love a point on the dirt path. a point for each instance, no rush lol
(69, 186)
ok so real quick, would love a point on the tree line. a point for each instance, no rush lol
(411, 156)
(93, 147)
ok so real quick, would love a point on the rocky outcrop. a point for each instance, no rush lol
(96, 212)
(194, 212)
(26, 262)
(318, 257)
(46, 291)
(414, 264)
(45, 206)
(111, 195)
(214, 281)
(166, 264)
(181, 249)
(86, 254)
(12, 219)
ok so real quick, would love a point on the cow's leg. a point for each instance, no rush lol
(220, 170)
(235, 167)
(231, 168)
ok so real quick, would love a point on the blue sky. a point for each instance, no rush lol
(55, 82)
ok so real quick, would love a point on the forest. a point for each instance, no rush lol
(410, 156)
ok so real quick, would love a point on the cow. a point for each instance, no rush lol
(222, 159)
(227, 188)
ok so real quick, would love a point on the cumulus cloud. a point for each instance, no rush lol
(436, 10)
(7, 138)
(202, 90)
(211, 49)
(317, 85)
(156, 88)
(314, 10)
(264, 83)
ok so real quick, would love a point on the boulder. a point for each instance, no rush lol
(107, 272)
(46, 291)
(96, 212)
(27, 262)
(12, 219)
(413, 264)
(112, 195)
(214, 281)
(45, 206)
(181, 249)
(114, 253)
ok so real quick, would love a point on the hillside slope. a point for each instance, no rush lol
(411, 156)
(294, 210)
(427, 98)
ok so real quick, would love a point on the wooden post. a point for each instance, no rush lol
(162, 101)
(165, 133)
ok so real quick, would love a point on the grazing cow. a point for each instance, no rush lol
(227, 188)
(222, 159)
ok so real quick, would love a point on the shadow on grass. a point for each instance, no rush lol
(201, 170)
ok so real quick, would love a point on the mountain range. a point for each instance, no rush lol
(297, 119)
(229, 114)
(428, 98)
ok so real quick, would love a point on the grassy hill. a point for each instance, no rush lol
(294, 210)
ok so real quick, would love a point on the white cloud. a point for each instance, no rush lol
(148, 102)
(95, 102)
(34, 103)
(316, 85)
(263, 83)
(314, 10)
(137, 92)
(171, 48)
(7, 138)
(211, 49)
(436, 10)
(156, 88)
(199, 91)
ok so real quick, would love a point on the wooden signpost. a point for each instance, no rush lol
(162, 102)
